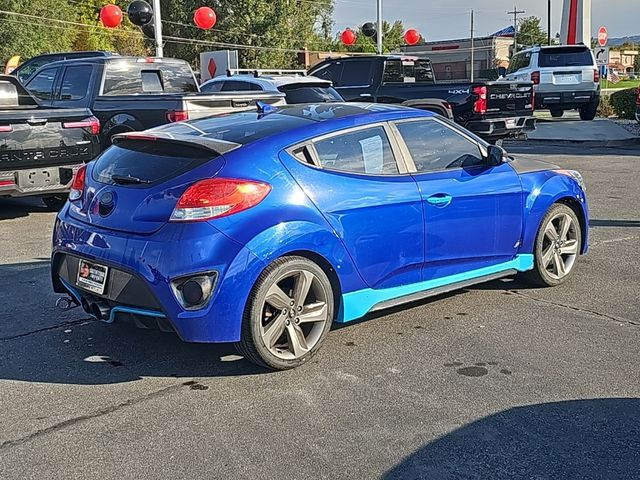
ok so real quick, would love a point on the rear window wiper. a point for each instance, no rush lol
(129, 180)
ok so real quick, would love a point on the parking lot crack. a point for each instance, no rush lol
(83, 418)
(45, 329)
(574, 308)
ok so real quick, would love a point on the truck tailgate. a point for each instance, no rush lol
(509, 97)
(38, 137)
(205, 104)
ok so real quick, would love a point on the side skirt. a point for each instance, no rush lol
(357, 304)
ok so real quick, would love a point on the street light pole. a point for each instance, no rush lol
(379, 29)
(549, 23)
(157, 26)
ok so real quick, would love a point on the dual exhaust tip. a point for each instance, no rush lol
(100, 310)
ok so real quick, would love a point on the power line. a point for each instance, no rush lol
(515, 14)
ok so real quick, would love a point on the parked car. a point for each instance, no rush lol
(564, 78)
(297, 88)
(492, 110)
(131, 93)
(41, 147)
(28, 67)
(265, 228)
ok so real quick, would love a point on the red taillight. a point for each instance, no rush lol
(596, 76)
(7, 183)
(77, 186)
(218, 197)
(92, 124)
(535, 78)
(6, 128)
(177, 116)
(480, 105)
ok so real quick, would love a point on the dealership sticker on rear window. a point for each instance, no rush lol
(92, 277)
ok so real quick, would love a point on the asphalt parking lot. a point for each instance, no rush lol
(495, 381)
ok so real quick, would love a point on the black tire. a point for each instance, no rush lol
(252, 345)
(55, 202)
(540, 275)
(589, 111)
(556, 112)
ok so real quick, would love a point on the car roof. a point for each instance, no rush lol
(539, 48)
(272, 82)
(115, 58)
(280, 124)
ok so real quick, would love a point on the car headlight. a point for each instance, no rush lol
(575, 175)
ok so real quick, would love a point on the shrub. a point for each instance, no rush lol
(624, 103)
(605, 110)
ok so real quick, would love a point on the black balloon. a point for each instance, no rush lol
(369, 29)
(140, 12)
(149, 30)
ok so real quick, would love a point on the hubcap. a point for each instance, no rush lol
(294, 314)
(560, 246)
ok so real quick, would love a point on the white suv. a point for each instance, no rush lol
(564, 77)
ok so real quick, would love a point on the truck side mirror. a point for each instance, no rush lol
(495, 155)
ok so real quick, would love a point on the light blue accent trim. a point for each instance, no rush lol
(357, 304)
(440, 201)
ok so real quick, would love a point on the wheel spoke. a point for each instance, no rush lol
(547, 256)
(313, 313)
(565, 224)
(570, 248)
(303, 285)
(550, 232)
(277, 298)
(558, 264)
(274, 330)
(297, 342)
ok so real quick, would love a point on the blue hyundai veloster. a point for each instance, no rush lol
(263, 228)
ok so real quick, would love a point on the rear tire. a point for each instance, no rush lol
(288, 314)
(557, 112)
(55, 202)
(589, 111)
(557, 247)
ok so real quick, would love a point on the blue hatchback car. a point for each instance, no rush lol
(263, 228)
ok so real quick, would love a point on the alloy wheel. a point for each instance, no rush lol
(560, 245)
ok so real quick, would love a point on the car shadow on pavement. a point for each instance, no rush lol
(11, 208)
(615, 223)
(581, 439)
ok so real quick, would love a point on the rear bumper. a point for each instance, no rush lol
(16, 183)
(502, 127)
(141, 268)
(565, 99)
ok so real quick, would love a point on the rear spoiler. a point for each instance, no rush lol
(195, 141)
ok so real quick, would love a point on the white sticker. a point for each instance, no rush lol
(409, 79)
(372, 154)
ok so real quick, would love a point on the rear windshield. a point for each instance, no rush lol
(565, 57)
(149, 161)
(126, 77)
(307, 94)
(408, 71)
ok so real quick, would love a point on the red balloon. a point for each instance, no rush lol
(204, 18)
(411, 36)
(348, 37)
(111, 16)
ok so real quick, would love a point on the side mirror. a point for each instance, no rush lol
(495, 155)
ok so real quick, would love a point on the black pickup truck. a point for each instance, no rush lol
(41, 147)
(133, 93)
(492, 110)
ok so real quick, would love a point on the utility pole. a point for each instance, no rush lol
(379, 36)
(157, 26)
(472, 49)
(549, 23)
(515, 14)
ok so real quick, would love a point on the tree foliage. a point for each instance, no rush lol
(530, 32)
(392, 39)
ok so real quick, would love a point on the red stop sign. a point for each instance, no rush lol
(603, 36)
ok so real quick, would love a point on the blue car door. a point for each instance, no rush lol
(373, 206)
(472, 211)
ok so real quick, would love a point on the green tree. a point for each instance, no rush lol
(392, 39)
(26, 36)
(530, 32)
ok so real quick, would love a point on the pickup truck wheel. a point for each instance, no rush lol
(589, 111)
(55, 202)
(557, 112)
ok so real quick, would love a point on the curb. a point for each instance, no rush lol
(630, 142)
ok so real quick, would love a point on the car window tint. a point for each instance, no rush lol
(124, 77)
(331, 72)
(434, 146)
(26, 70)
(302, 94)
(75, 82)
(364, 151)
(407, 71)
(356, 74)
(565, 57)
(212, 87)
(519, 61)
(41, 86)
(239, 86)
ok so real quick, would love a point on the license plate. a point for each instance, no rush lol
(566, 79)
(92, 277)
(511, 123)
(38, 178)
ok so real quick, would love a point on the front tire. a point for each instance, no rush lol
(288, 314)
(589, 111)
(557, 247)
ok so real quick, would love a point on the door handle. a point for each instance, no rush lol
(440, 200)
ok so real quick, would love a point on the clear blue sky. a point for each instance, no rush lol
(447, 19)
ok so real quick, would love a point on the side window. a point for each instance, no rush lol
(356, 74)
(75, 82)
(41, 86)
(365, 151)
(212, 87)
(434, 146)
(331, 72)
(237, 86)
